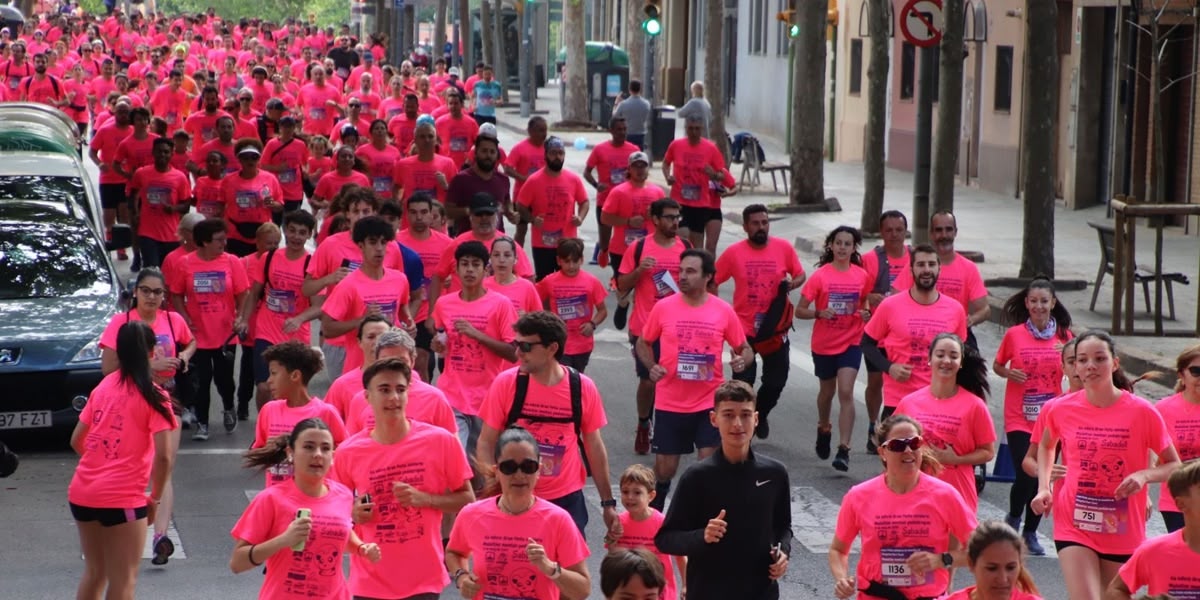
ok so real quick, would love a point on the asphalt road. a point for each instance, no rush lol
(41, 559)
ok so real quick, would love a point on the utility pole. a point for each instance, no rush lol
(526, 60)
(652, 27)
(925, 84)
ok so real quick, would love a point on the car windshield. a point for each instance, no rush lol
(43, 187)
(50, 256)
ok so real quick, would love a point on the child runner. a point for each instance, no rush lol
(577, 297)
(640, 523)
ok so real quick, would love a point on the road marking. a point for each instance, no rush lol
(210, 451)
(173, 535)
(813, 520)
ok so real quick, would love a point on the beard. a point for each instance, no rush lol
(921, 285)
(759, 237)
(555, 166)
(40, 70)
(485, 165)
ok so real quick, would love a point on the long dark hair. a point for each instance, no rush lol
(1015, 312)
(1120, 379)
(973, 374)
(827, 254)
(135, 342)
(275, 450)
(143, 275)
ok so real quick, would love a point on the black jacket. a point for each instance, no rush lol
(756, 498)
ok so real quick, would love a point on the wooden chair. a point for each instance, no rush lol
(752, 167)
(1142, 274)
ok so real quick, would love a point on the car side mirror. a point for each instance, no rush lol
(120, 239)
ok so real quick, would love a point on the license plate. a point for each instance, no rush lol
(25, 420)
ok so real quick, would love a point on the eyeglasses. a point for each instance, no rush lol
(1194, 371)
(151, 291)
(527, 346)
(669, 217)
(902, 444)
(527, 466)
(245, 99)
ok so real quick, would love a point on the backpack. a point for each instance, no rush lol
(518, 407)
(883, 281)
(267, 270)
(640, 245)
(777, 321)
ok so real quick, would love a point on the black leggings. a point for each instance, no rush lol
(245, 385)
(211, 366)
(774, 377)
(1024, 487)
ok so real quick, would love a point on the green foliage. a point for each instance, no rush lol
(329, 12)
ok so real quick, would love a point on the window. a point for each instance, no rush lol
(856, 48)
(1004, 68)
(782, 40)
(758, 27)
(908, 70)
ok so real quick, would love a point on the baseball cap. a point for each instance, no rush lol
(483, 203)
(455, 72)
(349, 129)
(638, 157)
(275, 104)
(487, 130)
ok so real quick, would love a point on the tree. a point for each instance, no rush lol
(439, 29)
(485, 35)
(714, 74)
(1039, 120)
(466, 39)
(499, 51)
(949, 116)
(575, 108)
(808, 106)
(879, 15)
(635, 38)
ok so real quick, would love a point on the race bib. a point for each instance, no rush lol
(281, 301)
(551, 458)
(387, 309)
(632, 235)
(458, 144)
(246, 200)
(617, 176)
(316, 114)
(209, 282)
(842, 304)
(1031, 405)
(1184, 593)
(758, 320)
(382, 184)
(896, 572)
(550, 238)
(572, 307)
(1099, 514)
(170, 118)
(279, 473)
(158, 196)
(14, 83)
(288, 176)
(690, 192)
(693, 366)
(664, 285)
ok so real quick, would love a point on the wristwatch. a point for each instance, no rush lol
(455, 575)
(557, 572)
(947, 559)
(610, 503)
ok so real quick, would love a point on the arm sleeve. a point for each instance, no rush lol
(874, 354)
(677, 536)
(783, 514)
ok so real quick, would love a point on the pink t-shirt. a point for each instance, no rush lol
(134, 154)
(446, 267)
(563, 470)
(330, 184)
(1183, 422)
(318, 117)
(497, 542)
(958, 279)
(905, 330)
(895, 266)
(554, 199)
(203, 126)
(246, 200)
(457, 136)
(692, 340)
(429, 459)
(611, 164)
(1041, 361)
(756, 274)
(521, 292)
(158, 194)
(339, 249)
(343, 389)
(1165, 564)
(688, 162)
(207, 193)
(845, 293)
(961, 423)
(169, 329)
(525, 158)
(293, 155)
(968, 594)
(282, 299)
(317, 571)
(415, 175)
(640, 534)
(209, 289)
(430, 250)
(653, 285)
(115, 466)
(895, 526)
(1101, 447)
(381, 165)
(574, 300)
(626, 201)
(426, 404)
(357, 293)
(105, 141)
(470, 366)
(276, 418)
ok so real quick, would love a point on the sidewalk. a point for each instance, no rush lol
(988, 222)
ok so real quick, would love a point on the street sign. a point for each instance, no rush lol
(921, 22)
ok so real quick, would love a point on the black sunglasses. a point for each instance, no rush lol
(901, 444)
(1194, 371)
(527, 346)
(527, 466)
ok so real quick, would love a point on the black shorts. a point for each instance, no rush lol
(112, 195)
(108, 517)
(1117, 558)
(424, 339)
(696, 218)
(638, 367)
(678, 433)
(826, 366)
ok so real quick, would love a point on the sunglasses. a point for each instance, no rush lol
(902, 444)
(527, 346)
(1194, 371)
(527, 466)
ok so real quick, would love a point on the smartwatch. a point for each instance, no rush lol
(611, 503)
(947, 559)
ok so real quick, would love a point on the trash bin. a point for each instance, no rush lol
(662, 130)
(607, 77)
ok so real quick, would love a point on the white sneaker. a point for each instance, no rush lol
(201, 434)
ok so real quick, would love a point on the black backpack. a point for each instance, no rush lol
(640, 245)
(267, 270)
(517, 411)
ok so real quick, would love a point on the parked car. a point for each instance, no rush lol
(42, 159)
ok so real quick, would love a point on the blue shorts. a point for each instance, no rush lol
(261, 370)
(827, 365)
(680, 433)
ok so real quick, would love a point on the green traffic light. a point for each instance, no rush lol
(652, 26)
(794, 31)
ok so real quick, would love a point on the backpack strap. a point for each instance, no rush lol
(516, 411)
(883, 277)
(267, 270)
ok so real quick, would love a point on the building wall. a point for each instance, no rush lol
(761, 102)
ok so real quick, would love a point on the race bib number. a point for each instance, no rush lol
(281, 301)
(458, 144)
(1031, 405)
(551, 458)
(693, 366)
(617, 176)
(316, 114)
(758, 320)
(896, 572)
(550, 238)
(158, 196)
(387, 309)
(209, 282)
(14, 83)
(288, 176)
(1098, 514)
(690, 192)
(279, 473)
(382, 185)
(170, 118)
(632, 235)
(664, 285)
(246, 200)
(843, 304)
(572, 307)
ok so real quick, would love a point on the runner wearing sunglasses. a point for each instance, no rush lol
(913, 525)
(1181, 412)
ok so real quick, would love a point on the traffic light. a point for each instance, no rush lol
(789, 16)
(652, 24)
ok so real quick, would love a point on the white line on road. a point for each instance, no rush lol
(210, 451)
(173, 535)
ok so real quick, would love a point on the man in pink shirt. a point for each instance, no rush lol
(161, 195)
(429, 244)
(556, 202)
(457, 130)
(43, 87)
(899, 333)
(319, 104)
(691, 328)
(170, 102)
(884, 265)
(611, 163)
(525, 159)
(202, 126)
(103, 151)
(758, 265)
(690, 166)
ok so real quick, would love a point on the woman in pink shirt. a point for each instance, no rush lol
(1107, 434)
(504, 281)
(380, 156)
(995, 556)
(913, 525)
(251, 197)
(958, 427)
(523, 546)
(123, 439)
(836, 297)
(1181, 413)
(1030, 358)
(300, 527)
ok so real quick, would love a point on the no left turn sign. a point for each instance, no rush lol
(921, 22)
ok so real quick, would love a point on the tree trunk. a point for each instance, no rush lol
(485, 34)
(1040, 117)
(635, 39)
(808, 106)
(878, 12)
(500, 46)
(1156, 174)
(439, 30)
(949, 111)
(714, 74)
(466, 39)
(576, 105)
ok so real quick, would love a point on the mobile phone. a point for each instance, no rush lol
(300, 514)
(775, 549)
(346, 263)
(365, 499)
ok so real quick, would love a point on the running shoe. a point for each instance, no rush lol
(641, 443)
(163, 548)
(763, 429)
(620, 315)
(871, 449)
(1031, 543)
(229, 418)
(842, 461)
(824, 439)
(1014, 522)
(243, 412)
(201, 434)
(122, 255)
(603, 260)
(188, 418)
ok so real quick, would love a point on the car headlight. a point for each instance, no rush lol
(89, 353)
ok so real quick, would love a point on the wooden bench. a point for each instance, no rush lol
(1143, 274)
(752, 167)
